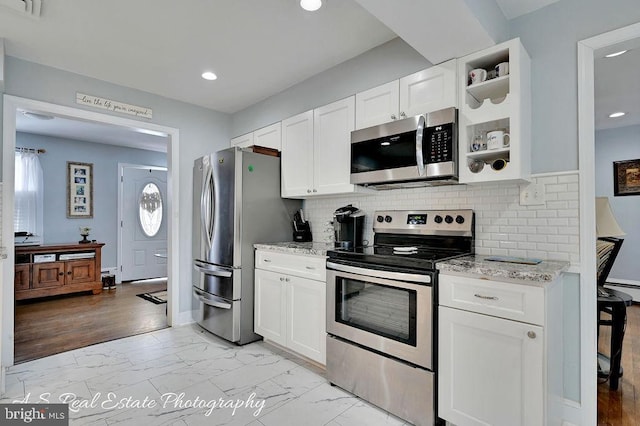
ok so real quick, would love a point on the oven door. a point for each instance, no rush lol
(386, 313)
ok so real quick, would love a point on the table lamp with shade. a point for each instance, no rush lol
(608, 244)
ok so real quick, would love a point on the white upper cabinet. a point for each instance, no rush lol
(316, 151)
(268, 137)
(297, 155)
(332, 127)
(429, 90)
(424, 91)
(498, 102)
(243, 141)
(378, 105)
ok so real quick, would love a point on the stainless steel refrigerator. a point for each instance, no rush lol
(236, 204)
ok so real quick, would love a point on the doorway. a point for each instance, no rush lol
(142, 234)
(12, 106)
(586, 152)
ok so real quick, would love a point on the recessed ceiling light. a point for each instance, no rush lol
(209, 75)
(37, 115)
(311, 5)
(616, 114)
(613, 55)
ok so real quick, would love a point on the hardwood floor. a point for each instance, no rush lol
(622, 407)
(58, 324)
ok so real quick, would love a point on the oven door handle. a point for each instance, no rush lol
(400, 276)
(419, 140)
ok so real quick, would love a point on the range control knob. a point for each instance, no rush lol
(387, 219)
(437, 219)
(380, 219)
(459, 219)
(448, 219)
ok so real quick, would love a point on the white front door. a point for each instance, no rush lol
(143, 225)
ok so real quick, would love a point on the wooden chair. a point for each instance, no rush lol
(614, 303)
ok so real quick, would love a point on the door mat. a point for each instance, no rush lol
(156, 297)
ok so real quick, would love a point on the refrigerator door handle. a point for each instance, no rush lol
(210, 300)
(211, 269)
(205, 207)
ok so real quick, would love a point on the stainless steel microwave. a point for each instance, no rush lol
(416, 151)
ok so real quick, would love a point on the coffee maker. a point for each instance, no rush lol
(348, 223)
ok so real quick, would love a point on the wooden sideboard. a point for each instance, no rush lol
(53, 269)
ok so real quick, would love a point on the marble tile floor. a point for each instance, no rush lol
(186, 376)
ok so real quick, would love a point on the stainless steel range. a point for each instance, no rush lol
(381, 311)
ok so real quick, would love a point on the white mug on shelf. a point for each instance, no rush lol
(497, 139)
(477, 75)
(502, 69)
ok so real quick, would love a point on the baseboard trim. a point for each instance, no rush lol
(184, 318)
(632, 290)
(623, 283)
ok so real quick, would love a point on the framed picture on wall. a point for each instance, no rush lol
(79, 190)
(626, 177)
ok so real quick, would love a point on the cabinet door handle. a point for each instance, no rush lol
(393, 116)
(480, 296)
(287, 279)
(308, 191)
(60, 273)
(315, 190)
(531, 334)
(402, 114)
(266, 260)
(310, 267)
(281, 279)
(69, 273)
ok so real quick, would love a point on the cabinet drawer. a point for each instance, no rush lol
(312, 267)
(505, 300)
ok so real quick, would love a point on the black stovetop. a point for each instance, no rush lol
(404, 252)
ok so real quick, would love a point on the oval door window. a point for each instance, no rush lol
(150, 209)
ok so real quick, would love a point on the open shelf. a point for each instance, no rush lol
(490, 89)
(489, 154)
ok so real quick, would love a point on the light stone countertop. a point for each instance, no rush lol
(291, 247)
(477, 266)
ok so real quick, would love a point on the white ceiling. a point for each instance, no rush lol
(85, 131)
(258, 48)
(617, 86)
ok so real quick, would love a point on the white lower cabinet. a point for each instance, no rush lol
(290, 310)
(492, 369)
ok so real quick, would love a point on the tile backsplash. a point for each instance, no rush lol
(503, 227)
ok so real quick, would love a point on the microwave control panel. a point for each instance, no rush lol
(439, 143)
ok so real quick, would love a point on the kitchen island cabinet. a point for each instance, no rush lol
(499, 348)
(290, 302)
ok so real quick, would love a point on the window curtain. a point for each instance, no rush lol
(29, 194)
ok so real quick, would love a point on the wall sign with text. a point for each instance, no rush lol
(114, 106)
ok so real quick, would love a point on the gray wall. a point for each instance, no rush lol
(618, 145)
(550, 36)
(201, 131)
(379, 65)
(105, 158)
